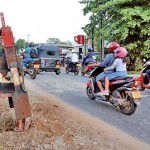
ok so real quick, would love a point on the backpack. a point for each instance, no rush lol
(33, 53)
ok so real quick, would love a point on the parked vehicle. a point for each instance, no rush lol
(72, 67)
(30, 70)
(142, 81)
(123, 93)
(49, 58)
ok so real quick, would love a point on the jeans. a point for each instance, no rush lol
(101, 76)
(26, 61)
(117, 74)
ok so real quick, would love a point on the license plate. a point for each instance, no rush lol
(36, 66)
(57, 66)
(136, 94)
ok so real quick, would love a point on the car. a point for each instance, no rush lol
(48, 58)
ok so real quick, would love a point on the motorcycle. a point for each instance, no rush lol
(72, 67)
(30, 70)
(123, 93)
(142, 81)
(86, 69)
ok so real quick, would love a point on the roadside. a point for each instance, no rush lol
(58, 126)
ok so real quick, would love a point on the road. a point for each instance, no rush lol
(71, 89)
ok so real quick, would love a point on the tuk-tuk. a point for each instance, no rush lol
(49, 58)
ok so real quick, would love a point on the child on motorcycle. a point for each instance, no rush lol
(119, 65)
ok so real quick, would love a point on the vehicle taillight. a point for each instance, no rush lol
(36, 62)
(137, 82)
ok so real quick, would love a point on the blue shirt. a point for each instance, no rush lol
(108, 60)
(89, 57)
(27, 52)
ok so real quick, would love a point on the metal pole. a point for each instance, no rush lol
(28, 38)
(85, 45)
(102, 40)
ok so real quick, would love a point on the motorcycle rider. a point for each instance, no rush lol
(27, 55)
(107, 62)
(119, 65)
(90, 57)
(147, 71)
(73, 59)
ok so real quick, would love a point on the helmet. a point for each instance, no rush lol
(112, 46)
(73, 51)
(90, 49)
(31, 44)
(121, 52)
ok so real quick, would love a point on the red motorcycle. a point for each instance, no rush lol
(87, 69)
(142, 81)
(122, 92)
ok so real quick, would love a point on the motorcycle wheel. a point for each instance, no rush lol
(90, 94)
(67, 71)
(130, 106)
(76, 72)
(33, 74)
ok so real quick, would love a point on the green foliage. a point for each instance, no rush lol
(57, 41)
(21, 43)
(124, 21)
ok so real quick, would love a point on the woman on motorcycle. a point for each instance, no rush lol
(119, 65)
(107, 62)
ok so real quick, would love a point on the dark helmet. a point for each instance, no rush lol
(31, 44)
(112, 46)
(90, 49)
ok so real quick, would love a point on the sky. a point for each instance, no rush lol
(38, 20)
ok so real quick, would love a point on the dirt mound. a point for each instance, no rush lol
(58, 127)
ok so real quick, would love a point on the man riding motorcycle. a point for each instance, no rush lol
(27, 55)
(107, 62)
(89, 58)
(73, 58)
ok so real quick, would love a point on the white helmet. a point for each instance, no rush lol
(73, 51)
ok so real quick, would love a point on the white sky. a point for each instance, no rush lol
(43, 19)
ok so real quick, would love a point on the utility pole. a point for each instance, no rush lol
(102, 40)
(28, 35)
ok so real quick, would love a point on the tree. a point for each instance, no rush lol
(125, 21)
(21, 43)
(57, 41)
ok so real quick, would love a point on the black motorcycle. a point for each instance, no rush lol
(30, 70)
(72, 67)
(123, 93)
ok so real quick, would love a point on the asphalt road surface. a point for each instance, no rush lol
(71, 89)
